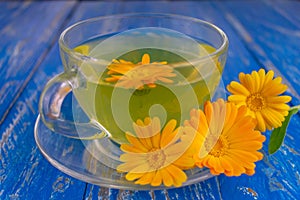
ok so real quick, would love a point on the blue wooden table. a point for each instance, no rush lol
(262, 34)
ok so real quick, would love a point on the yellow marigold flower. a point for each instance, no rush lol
(260, 93)
(130, 75)
(155, 157)
(231, 144)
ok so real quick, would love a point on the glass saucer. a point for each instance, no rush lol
(94, 161)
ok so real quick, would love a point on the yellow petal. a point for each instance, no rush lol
(142, 168)
(135, 157)
(256, 80)
(178, 175)
(237, 88)
(237, 98)
(146, 178)
(129, 148)
(157, 179)
(270, 119)
(242, 78)
(143, 135)
(280, 107)
(269, 76)
(260, 122)
(278, 99)
(262, 77)
(249, 83)
(133, 176)
(128, 166)
(136, 143)
(169, 136)
(167, 178)
(185, 162)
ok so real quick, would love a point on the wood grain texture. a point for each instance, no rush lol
(287, 9)
(24, 172)
(27, 32)
(270, 37)
(11, 10)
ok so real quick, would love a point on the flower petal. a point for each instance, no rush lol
(178, 175)
(157, 179)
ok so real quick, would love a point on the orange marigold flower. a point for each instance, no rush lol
(260, 93)
(231, 144)
(155, 157)
(130, 75)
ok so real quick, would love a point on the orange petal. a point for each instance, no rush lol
(145, 59)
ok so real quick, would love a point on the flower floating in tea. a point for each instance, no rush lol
(129, 75)
(231, 143)
(154, 156)
(260, 93)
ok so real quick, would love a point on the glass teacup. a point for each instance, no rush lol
(125, 68)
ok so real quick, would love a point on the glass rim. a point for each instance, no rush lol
(77, 55)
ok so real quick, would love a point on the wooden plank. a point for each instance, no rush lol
(27, 33)
(24, 172)
(14, 9)
(270, 37)
(287, 9)
(275, 175)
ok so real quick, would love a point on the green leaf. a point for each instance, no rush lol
(278, 134)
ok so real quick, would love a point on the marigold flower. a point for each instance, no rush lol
(154, 156)
(231, 144)
(260, 93)
(130, 75)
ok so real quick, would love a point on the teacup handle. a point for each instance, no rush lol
(50, 103)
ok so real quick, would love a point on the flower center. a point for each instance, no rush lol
(219, 148)
(156, 158)
(255, 102)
